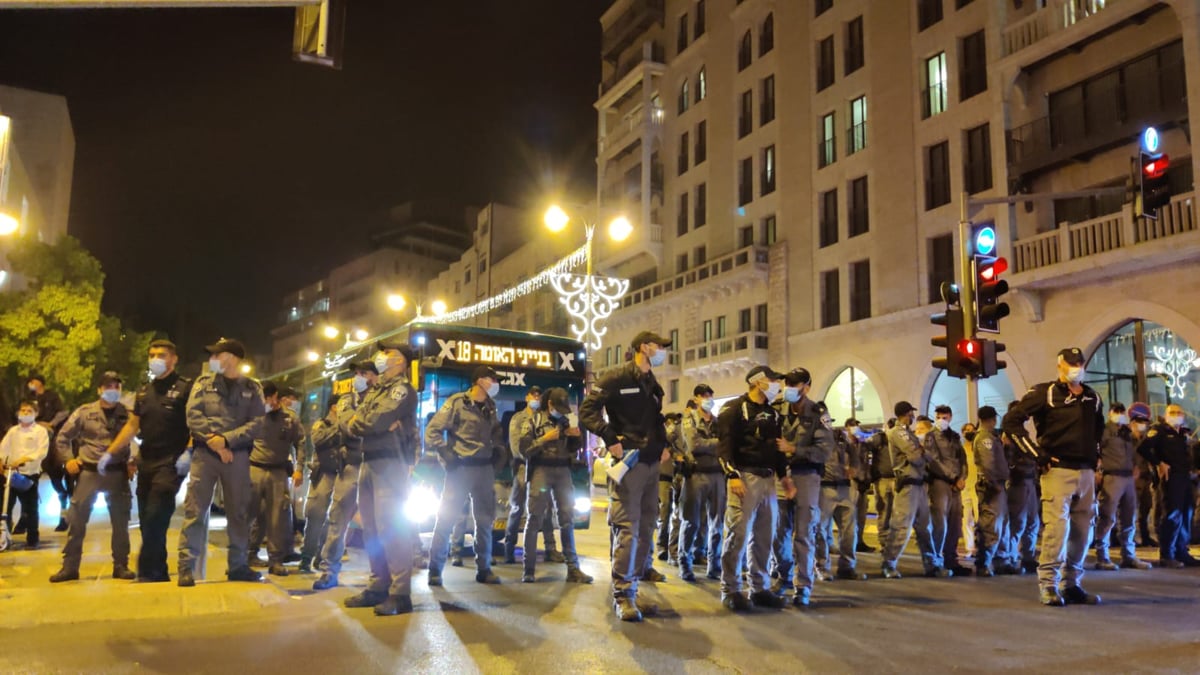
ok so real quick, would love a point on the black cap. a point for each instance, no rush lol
(165, 344)
(36, 376)
(1072, 355)
(289, 391)
(366, 364)
(903, 408)
(645, 337)
(483, 371)
(399, 346)
(987, 412)
(703, 390)
(765, 371)
(797, 377)
(556, 398)
(534, 391)
(227, 346)
(110, 377)
(852, 422)
(1116, 406)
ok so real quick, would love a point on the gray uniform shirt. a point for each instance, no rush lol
(802, 426)
(838, 468)
(700, 441)
(92, 430)
(516, 428)
(990, 459)
(947, 458)
(908, 457)
(279, 433)
(391, 400)
(1117, 450)
(465, 430)
(224, 407)
(559, 451)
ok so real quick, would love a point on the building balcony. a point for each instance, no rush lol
(1107, 247)
(734, 354)
(645, 240)
(1066, 24)
(650, 63)
(640, 124)
(720, 277)
(638, 16)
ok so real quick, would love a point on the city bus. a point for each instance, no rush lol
(447, 354)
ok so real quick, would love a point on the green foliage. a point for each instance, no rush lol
(122, 350)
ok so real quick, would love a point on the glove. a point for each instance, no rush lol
(106, 459)
(184, 463)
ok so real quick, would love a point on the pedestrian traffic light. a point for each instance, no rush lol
(1154, 190)
(952, 319)
(989, 288)
(969, 352)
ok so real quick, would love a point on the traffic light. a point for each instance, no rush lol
(991, 364)
(952, 319)
(969, 354)
(989, 288)
(1154, 190)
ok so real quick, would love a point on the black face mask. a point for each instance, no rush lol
(970, 436)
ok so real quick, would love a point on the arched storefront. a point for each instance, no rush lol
(852, 395)
(995, 391)
(1146, 361)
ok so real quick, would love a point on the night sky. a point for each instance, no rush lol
(213, 174)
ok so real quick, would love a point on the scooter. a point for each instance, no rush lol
(24, 483)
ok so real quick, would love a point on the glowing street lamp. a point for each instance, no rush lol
(246, 368)
(8, 225)
(620, 228)
(312, 356)
(395, 302)
(556, 219)
(331, 332)
(361, 335)
(589, 298)
(438, 307)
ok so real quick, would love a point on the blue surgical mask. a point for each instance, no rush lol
(493, 390)
(26, 419)
(555, 415)
(658, 358)
(791, 394)
(360, 383)
(111, 395)
(707, 404)
(158, 367)
(536, 404)
(772, 391)
(214, 365)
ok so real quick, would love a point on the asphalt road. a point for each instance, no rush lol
(1149, 622)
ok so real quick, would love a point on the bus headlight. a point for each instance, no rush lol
(422, 504)
(583, 504)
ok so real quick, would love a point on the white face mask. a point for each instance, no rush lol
(111, 395)
(921, 437)
(942, 425)
(772, 391)
(381, 363)
(706, 404)
(26, 419)
(360, 383)
(1174, 420)
(1075, 374)
(1140, 427)
(535, 404)
(214, 364)
(158, 367)
(493, 389)
(1119, 419)
(658, 358)
(269, 408)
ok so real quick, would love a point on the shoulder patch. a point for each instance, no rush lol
(398, 393)
(1152, 433)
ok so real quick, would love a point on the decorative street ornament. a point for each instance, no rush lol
(334, 363)
(1175, 364)
(589, 299)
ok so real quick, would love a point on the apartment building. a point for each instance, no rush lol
(796, 171)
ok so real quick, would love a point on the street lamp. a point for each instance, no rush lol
(246, 368)
(589, 298)
(8, 225)
(331, 332)
(395, 302)
(438, 307)
(361, 335)
(312, 356)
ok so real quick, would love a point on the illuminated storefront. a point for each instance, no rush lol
(852, 395)
(1145, 361)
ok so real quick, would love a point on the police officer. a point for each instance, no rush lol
(703, 487)
(808, 443)
(516, 498)
(861, 463)
(1118, 497)
(911, 508)
(93, 426)
(386, 421)
(345, 488)
(884, 475)
(322, 475)
(947, 473)
(1069, 419)
(51, 413)
(159, 417)
(670, 484)
(1167, 448)
(838, 503)
(1145, 478)
(550, 441)
(991, 465)
(625, 410)
(1024, 520)
(752, 454)
(468, 439)
(224, 412)
(270, 462)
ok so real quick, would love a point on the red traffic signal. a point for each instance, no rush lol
(969, 348)
(970, 357)
(1155, 166)
(989, 272)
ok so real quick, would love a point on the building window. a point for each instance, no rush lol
(744, 325)
(825, 63)
(746, 182)
(831, 309)
(699, 256)
(673, 336)
(767, 105)
(467, 276)
(681, 263)
(855, 48)
(977, 170)
(707, 330)
(937, 175)
(701, 85)
(972, 67)
(721, 327)
(682, 216)
(933, 99)
(701, 142)
(823, 6)
(856, 139)
(483, 266)
(701, 19)
(745, 53)
(769, 234)
(827, 143)
(760, 318)
(673, 388)
(746, 116)
(828, 218)
(766, 39)
(929, 12)
(941, 265)
(681, 38)
(768, 170)
(683, 153)
(859, 215)
(684, 101)
(701, 217)
(860, 290)
(746, 236)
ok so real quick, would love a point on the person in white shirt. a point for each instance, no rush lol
(23, 449)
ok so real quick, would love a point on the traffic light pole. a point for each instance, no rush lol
(967, 291)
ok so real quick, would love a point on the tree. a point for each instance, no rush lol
(122, 350)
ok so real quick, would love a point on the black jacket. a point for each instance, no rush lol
(748, 434)
(633, 401)
(1164, 444)
(1068, 426)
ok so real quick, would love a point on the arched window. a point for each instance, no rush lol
(684, 99)
(701, 86)
(994, 391)
(852, 395)
(744, 52)
(1170, 371)
(766, 38)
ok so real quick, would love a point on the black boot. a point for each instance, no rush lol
(395, 604)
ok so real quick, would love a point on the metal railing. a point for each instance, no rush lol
(1103, 234)
(636, 123)
(1055, 16)
(641, 13)
(756, 255)
(722, 348)
(856, 138)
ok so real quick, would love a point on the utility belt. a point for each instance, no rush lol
(94, 468)
(1015, 476)
(549, 462)
(710, 470)
(800, 468)
(1124, 473)
(386, 453)
(906, 482)
(939, 478)
(835, 483)
(666, 479)
(1073, 464)
(268, 466)
(759, 471)
(475, 461)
